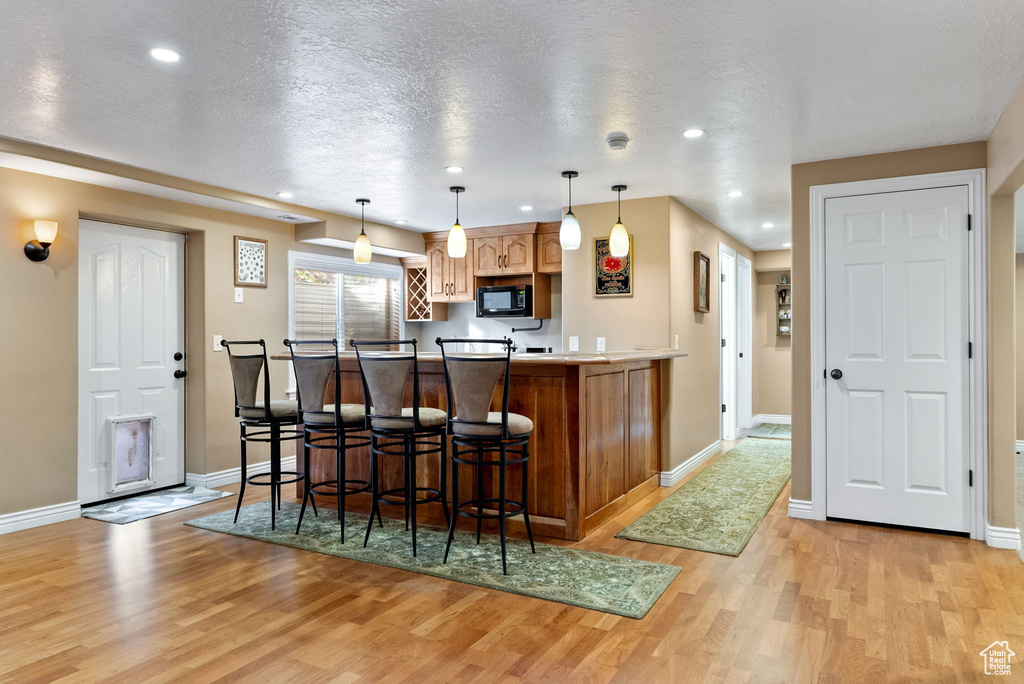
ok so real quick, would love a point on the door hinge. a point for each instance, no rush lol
(723, 277)
(968, 222)
(723, 408)
(970, 478)
(970, 350)
(723, 342)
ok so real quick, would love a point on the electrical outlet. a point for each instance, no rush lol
(574, 343)
(238, 295)
(216, 343)
(600, 344)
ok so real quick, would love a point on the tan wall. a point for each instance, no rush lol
(39, 310)
(772, 362)
(896, 164)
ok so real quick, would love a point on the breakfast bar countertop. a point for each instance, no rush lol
(574, 359)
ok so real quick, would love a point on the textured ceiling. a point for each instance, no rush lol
(336, 100)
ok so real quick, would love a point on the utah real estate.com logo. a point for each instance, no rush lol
(997, 658)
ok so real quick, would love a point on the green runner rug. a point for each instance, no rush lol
(773, 431)
(720, 508)
(612, 584)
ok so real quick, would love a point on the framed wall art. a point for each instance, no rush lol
(701, 282)
(613, 276)
(250, 262)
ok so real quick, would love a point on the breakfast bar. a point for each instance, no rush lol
(596, 446)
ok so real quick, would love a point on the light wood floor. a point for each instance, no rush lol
(155, 601)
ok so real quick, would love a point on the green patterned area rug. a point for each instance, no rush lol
(720, 508)
(612, 584)
(772, 431)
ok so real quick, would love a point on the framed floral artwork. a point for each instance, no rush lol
(701, 282)
(613, 276)
(250, 262)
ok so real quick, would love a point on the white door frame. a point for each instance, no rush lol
(977, 457)
(744, 343)
(727, 380)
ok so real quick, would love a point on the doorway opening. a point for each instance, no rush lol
(735, 293)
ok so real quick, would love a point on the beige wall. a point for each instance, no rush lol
(772, 363)
(39, 308)
(1001, 391)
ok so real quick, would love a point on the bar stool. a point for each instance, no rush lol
(325, 426)
(470, 380)
(275, 421)
(408, 430)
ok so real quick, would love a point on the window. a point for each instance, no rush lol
(333, 297)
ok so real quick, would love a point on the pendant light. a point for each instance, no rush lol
(362, 253)
(457, 236)
(618, 241)
(569, 234)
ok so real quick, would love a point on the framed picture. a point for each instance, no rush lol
(613, 276)
(250, 262)
(701, 282)
(131, 463)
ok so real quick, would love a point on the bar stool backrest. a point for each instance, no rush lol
(314, 370)
(385, 375)
(245, 374)
(470, 380)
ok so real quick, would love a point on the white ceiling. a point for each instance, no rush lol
(337, 100)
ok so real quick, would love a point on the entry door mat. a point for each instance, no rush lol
(773, 431)
(152, 503)
(598, 581)
(721, 507)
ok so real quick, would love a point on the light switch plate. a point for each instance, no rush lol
(574, 343)
(238, 295)
(600, 344)
(216, 343)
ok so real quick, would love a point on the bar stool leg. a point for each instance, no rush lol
(375, 507)
(479, 475)
(275, 472)
(305, 456)
(342, 478)
(411, 456)
(405, 480)
(501, 508)
(241, 491)
(526, 495)
(455, 501)
(444, 479)
(306, 481)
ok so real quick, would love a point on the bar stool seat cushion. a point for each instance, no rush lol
(352, 415)
(517, 426)
(429, 417)
(282, 408)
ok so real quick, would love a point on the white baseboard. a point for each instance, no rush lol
(773, 419)
(798, 508)
(233, 475)
(671, 477)
(1002, 537)
(36, 517)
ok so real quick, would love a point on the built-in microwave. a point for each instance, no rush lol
(504, 301)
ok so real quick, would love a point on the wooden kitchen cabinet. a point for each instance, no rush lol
(549, 253)
(451, 280)
(500, 255)
(488, 256)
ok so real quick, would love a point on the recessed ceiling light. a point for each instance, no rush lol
(735, 193)
(526, 207)
(401, 221)
(164, 55)
(768, 225)
(693, 133)
(453, 169)
(786, 244)
(285, 195)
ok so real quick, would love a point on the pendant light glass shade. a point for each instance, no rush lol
(457, 235)
(618, 241)
(569, 234)
(362, 253)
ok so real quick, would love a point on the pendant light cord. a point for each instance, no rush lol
(570, 194)
(620, 206)
(456, 207)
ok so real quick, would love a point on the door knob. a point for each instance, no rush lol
(179, 374)
(836, 374)
(178, 356)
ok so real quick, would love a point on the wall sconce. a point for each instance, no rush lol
(46, 233)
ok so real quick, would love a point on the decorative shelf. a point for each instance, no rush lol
(418, 307)
(784, 309)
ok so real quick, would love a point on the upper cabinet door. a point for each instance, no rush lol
(518, 254)
(549, 253)
(438, 271)
(463, 284)
(488, 256)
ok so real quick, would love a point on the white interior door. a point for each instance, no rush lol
(727, 326)
(131, 323)
(896, 328)
(744, 343)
